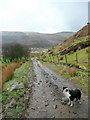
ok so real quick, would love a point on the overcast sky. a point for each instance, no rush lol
(45, 16)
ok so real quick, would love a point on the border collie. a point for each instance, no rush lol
(71, 95)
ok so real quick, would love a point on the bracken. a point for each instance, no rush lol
(7, 72)
(72, 71)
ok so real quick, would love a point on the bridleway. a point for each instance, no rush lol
(45, 101)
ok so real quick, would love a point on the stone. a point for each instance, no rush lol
(54, 78)
(46, 81)
(64, 100)
(55, 86)
(74, 113)
(54, 99)
(10, 114)
(33, 108)
(16, 85)
(9, 105)
(46, 103)
(53, 117)
(55, 106)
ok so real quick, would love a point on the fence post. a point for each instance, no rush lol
(76, 58)
(66, 58)
(53, 58)
(50, 58)
(58, 58)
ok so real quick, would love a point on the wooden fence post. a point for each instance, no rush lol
(50, 58)
(66, 58)
(76, 58)
(58, 58)
(53, 58)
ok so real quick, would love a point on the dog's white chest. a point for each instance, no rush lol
(66, 94)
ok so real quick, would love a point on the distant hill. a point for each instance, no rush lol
(65, 32)
(35, 39)
(79, 40)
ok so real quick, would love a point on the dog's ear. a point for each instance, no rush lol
(64, 88)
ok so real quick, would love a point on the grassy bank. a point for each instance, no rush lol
(81, 76)
(15, 91)
(81, 59)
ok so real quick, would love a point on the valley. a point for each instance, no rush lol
(34, 39)
(35, 88)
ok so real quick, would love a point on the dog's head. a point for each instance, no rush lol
(66, 89)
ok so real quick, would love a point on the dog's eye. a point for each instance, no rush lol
(66, 90)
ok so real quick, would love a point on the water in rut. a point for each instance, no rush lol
(46, 96)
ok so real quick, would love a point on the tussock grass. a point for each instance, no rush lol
(72, 71)
(7, 71)
(24, 75)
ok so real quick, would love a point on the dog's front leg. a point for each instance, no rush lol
(69, 102)
(79, 102)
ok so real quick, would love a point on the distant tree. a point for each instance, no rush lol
(13, 51)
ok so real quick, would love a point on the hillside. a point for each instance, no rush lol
(34, 39)
(79, 40)
(70, 58)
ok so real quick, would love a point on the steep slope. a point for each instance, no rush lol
(79, 40)
(34, 39)
(71, 57)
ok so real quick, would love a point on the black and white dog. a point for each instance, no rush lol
(71, 95)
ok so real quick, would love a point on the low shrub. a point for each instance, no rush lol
(87, 50)
(72, 71)
(7, 72)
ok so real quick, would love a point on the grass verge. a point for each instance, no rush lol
(14, 102)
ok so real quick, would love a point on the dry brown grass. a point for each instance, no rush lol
(62, 71)
(87, 51)
(72, 71)
(7, 72)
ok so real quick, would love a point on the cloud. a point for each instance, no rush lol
(41, 15)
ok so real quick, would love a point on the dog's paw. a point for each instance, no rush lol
(80, 102)
(68, 104)
(71, 105)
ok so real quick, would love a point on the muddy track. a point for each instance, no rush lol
(47, 94)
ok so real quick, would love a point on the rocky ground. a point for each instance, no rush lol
(46, 98)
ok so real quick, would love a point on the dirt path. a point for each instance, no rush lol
(47, 93)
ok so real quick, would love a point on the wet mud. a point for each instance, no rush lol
(46, 99)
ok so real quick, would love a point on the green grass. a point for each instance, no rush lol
(82, 57)
(8, 60)
(82, 60)
(80, 79)
(70, 42)
(21, 75)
